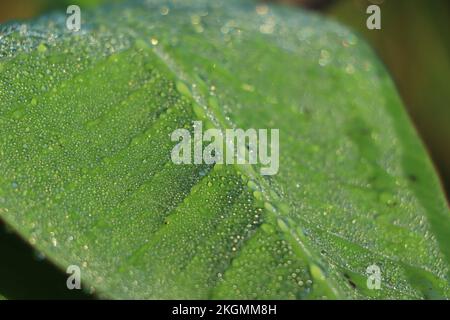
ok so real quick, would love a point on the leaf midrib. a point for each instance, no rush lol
(249, 170)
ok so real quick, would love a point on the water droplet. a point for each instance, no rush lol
(40, 256)
(154, 41)
(258, 195)
(283, 225)
(42, 48)
(252, 185)
(325, 58)
(18, 114)
(316, 272)
(269, 207)
(183, 89)
(267, 228)
(268, 27)
(387, 198)
(262, 10)
(350, 69)
(248, 88)
(164, 11)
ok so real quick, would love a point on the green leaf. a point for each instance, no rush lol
(87, 178)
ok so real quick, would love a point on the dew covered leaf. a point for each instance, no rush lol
(87, 179)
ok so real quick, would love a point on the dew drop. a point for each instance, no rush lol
(316, 272)
(164, 11)
(283, 225)
(42, 48)
(325, 58)
(154, 41)
(262, 10)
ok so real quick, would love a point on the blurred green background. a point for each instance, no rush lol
(413, 43)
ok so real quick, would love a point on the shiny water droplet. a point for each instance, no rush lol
(164, 11)
(42, 48)
(325, 58)
(262, 9)
(154, 41)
